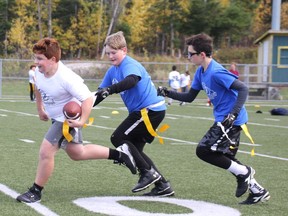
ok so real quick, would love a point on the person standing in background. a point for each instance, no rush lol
(32, 82)
(184, 83)
(233, 69)
(174, 81)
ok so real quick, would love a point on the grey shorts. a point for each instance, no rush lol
(55, 135)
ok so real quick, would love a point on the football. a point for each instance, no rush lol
(72, 110)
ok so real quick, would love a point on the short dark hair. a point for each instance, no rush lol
(174, 67)
(201, 43)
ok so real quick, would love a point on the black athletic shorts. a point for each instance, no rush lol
(134, 129)
(216, 140)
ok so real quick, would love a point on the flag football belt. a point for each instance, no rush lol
(149, 126)
(65, 129)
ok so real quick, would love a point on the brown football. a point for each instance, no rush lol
(72, 110)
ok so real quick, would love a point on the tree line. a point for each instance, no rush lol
(151, 27)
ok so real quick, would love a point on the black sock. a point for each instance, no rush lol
(113, 154)
(38, 187)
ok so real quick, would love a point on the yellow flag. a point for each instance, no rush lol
(163, 128)
(90, 122)
(245, 129)
(150, 128)
(65, 129)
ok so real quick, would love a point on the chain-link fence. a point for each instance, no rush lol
(14, 73)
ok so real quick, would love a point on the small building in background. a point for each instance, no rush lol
(273, 53)
(272, 69)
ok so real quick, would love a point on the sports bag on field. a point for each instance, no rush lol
(279, 111)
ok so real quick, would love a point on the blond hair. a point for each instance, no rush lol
(116, 41)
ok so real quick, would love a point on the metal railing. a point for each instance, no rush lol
(256, 77)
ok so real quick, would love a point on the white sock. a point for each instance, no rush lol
(255, 187)
(237, 169)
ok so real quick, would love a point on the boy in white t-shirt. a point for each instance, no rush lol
(174, 81)
(56, 85)
(184, 83)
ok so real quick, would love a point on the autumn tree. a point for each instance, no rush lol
(151, 27)
(6, 15)
(262, 22)
(284, 15)
(133, 23)
(23, 31)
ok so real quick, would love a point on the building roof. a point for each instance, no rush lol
(270, 32)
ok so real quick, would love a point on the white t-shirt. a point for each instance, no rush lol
(62, 87)
(184, 80)
(174, 79)
(31, 76)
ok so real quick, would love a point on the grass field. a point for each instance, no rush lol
(191, 178)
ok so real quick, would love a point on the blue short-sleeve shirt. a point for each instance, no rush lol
(216, 82)
(143, 95)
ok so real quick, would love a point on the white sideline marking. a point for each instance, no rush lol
(106, 117)
(212, 119)
(27, 140)
(195, 143)
(169, 117)
(266, 125)
(188, 142)
(191, 117)
(102, 127)
(21, 113)
(263, 155)
(270, 119)
(36, 206)
(183, 142)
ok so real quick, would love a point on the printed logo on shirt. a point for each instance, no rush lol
(114, 81)
(210, 93)
(46, 98)
(175, 78)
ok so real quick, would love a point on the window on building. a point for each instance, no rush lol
(282, 60)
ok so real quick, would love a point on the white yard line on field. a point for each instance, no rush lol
(263, 155)
(185, 141)
(271, 119)
(21, 113)
(204, 118)
(27, 140)
(106, 117)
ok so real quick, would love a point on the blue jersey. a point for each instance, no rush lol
(216, 81)
(142, 95)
